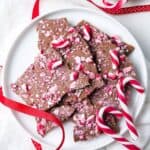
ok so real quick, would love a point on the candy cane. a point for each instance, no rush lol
(107, 130)
(53, 64)
(86, 32)
(74, 76)
(71, 30)
(60, 43)
(111, 75)
(79, 67)
(114, 54)
(123, 102)
(132, 82)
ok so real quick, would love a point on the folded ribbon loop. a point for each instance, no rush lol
(32, 112)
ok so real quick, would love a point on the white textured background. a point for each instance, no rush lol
(16, 14)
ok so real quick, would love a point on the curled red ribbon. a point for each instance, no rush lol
(117, 8)
(110, 8)
(33, 112)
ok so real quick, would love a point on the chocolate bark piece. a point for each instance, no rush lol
(127, 68)
(85, 121)
(63, 112)
(77, 96)
(101, 43)
(107, 95)
(77, 54)
(49, 30)
(43, 85)
(70, 104)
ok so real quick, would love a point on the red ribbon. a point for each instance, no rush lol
(35, 11)
(116, 10)
(33, 112)
(41, 114)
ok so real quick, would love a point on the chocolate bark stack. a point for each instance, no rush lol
(70, 76)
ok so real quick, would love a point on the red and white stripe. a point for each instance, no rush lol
(108, 131)
(53, 64)
(71, 30)
(86, 32)
(79, 67)
(123, 102)
(90, 119)
(91, 75)
(132, 82)
(60, 43)
(111, 75)
(117, 39)
(119, 73)
(74, 76)
(114, 54)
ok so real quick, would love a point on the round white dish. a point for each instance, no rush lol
(25, 49)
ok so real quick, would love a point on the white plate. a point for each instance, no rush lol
(25, 49)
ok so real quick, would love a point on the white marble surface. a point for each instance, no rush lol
(16, 14)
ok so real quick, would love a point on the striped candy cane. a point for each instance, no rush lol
(53, 64)
(86, 32)
(74, 76)
(108, 131)
(114, 54)
(132, 82)
(60, 43)
(123, 102)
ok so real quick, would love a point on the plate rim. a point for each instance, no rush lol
(97, 12)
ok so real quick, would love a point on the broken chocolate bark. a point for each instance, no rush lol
(85, 121)
(40, 84)
(66, 79)
(107, 95)
(75, 51)
(62, 112)
(101, 43)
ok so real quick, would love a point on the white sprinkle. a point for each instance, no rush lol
(77, 59)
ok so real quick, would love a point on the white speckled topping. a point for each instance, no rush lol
(43, 85)
(85, 121)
